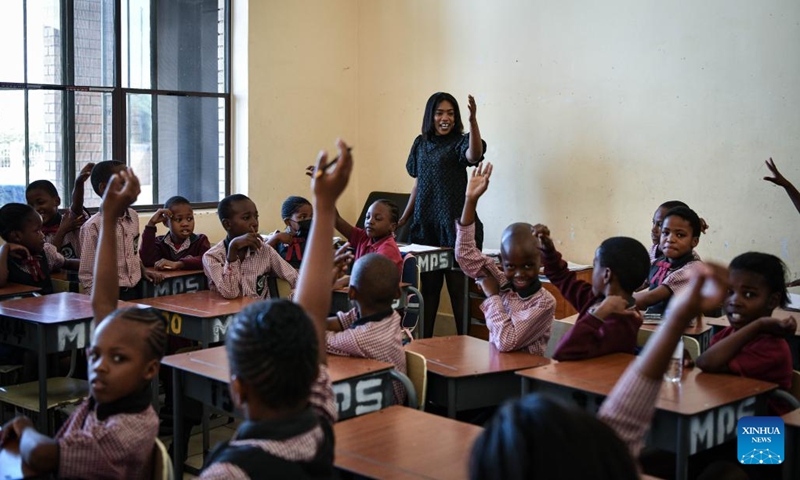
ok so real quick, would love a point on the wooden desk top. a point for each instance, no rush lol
(213, 363)
(203, 304)
(777, 313)
(700, 328)
(65, 275)
(402, 443)
(175, 273)
(52, 309)
(16, 289)
(697, 392)
(11, 465)
(792, 419)
(464, 356)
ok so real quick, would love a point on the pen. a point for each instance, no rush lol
(326, 167)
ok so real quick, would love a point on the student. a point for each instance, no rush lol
(608, 321)
(25, 257)
(680, 234)
(539, 437)
(377, 236)
(291, 243)
(130, 268)
(279, 375)
(518, 311)
(753, 346)
(181, 248)
(62, 231)
(239, 265)
(438, 163)
(655, 230)
(112, 433)
(372, 329)
(791, 190)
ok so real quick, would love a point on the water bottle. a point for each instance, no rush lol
(675, 367)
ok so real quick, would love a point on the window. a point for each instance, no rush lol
(141, 81)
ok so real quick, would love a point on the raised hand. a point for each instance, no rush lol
(328, 185)
(479, 181)
(707, 288)
(472, 108)
(543, 234)
(776, 177)
(85, 173)
(122, 191)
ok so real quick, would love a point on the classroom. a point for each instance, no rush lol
(594, 114)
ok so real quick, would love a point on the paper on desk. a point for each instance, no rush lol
(794, 302)
(415, 248)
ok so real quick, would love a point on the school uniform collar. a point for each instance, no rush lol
(52, 225)
(526, 292)
(375, 317)
(676, 263)
(185, 244)
(127, 217)
(133, 403)
(278, 429)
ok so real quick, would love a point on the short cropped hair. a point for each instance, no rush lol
(689, 215)
(273, 346)
(226, 205)
(376, 279)
(43, 185)
(101, 173)
(768, 266)
(13, 217)
(428, 119)
(176, 200)
(627, 259)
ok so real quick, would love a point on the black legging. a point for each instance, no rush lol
(431, 288)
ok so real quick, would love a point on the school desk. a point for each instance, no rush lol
(175, 282)
(361, 385)
(402, 443)
(466, 372)
(694, 415)
(791, 451)
(48, 324)
(202, 316)
(16, 290)
(718, 323)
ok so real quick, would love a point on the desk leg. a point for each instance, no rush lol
(526, 386)
(177, 422)
(42, 354)
(682, 450)
(451, 398)
(465, 302)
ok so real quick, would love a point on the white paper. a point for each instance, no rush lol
(794, 302)
(415, 248)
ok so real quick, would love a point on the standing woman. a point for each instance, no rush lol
(438, 161)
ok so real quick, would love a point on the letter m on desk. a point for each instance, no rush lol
(71, 336)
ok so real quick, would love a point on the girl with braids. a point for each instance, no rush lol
(377, 236)
(278, 367)
(291, 243)
(111, 434)
(25, 257)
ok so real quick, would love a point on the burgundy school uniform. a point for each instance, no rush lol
(190, 252)
(386, 246)
(377, 336)
(300, 446)
(766, 357)
(35, 270)
(129, 268)
(590, 337)
(248, 277)
(516, 320)
(109, 441)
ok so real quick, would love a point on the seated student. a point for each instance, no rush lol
(181, 248)
(655, 230)
(112, 433)
(372, 329)
(519, 312)
(791, 190)
(377, 236)
(753, 346)
(680, 234)
(239, 265)
(25, 257)
(130, 268)
(539, 437)
(608, 321)
(291, 243)
(62, 231)
(278, 365)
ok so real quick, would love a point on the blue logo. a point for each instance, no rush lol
(760, 440)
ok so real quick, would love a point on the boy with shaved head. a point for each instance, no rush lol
(518, 311)
(372, 329)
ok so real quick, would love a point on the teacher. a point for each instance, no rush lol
(438, 162)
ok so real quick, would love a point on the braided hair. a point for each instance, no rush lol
(394, 211)
(157, 329)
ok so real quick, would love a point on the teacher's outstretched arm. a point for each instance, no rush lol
(475, 150)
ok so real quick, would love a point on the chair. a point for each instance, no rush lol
(411, 306)
(692, 346)
(792, 396)
(162, 465)
(417, 370)
(556, 332)
(401, 199)
(411, 392)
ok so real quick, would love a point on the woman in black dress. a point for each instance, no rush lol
(438, 161)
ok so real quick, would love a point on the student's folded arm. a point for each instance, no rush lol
(577, 292)
(343, 343)
(470, 259)
(39, 451)
(718, 355)
(148, 251)
(646, 298)
(513, 330)
(584, 340)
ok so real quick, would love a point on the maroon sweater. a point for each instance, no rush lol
(590, 337)
(155, 248)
